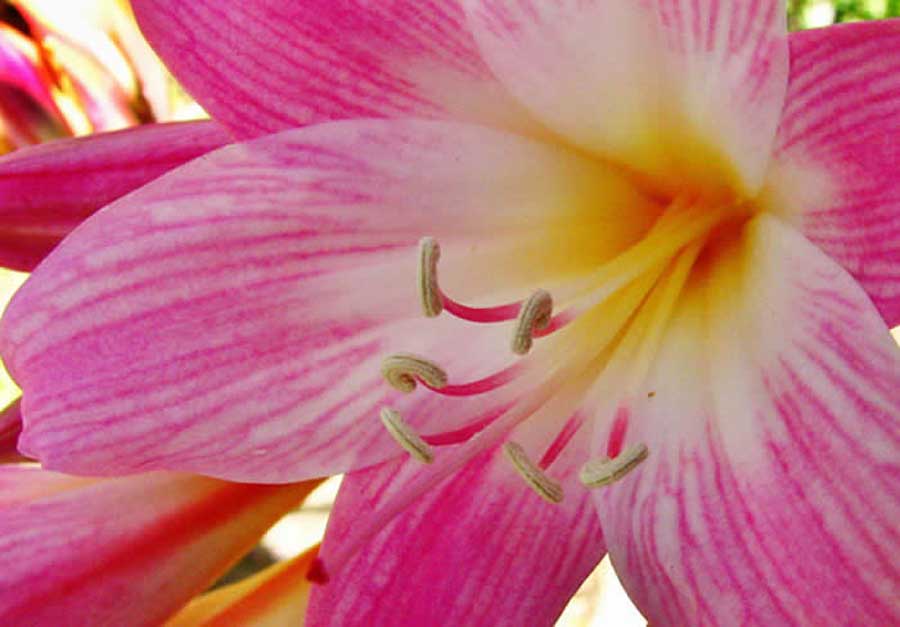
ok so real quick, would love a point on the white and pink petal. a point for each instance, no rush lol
(480, 548)
(230, 318)
(47, 190)
(835, 172)
(770, 494)
(680, 90)
(261, 66)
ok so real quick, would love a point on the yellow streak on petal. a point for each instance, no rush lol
(275, 597)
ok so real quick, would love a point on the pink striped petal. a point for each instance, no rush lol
(771, 493)
(127, 551)
(479, 549)
(266, 65)
(47, 190)
(674, 88)
(838, 150)
(230, 318)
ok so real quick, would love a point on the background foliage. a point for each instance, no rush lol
(813, 13)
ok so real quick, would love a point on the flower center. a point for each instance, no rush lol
(605, 336)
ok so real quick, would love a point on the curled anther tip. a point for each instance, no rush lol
(409, 440)
(547, 488)
(403, 372)
(534, 315)
(429, 294)
(602, 472)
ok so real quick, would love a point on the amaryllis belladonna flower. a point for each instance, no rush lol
(619, 273)
(75, 68)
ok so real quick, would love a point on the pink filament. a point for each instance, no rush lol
(480, 386)
(561, 441)
(500, 313)
(557, 322)
(465, 433)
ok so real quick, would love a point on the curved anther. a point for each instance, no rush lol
(429, 294)
(534, 315)
(546, 487)
(408, 439)
(603, 472)
(403, 371)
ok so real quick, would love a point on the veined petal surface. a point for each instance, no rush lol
(125, 551)
(267, 65)
(771, 492)
(681, 90)
(835, 173)
(481, 548)
(230, 318)
(47, 190)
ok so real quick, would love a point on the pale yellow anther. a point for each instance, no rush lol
(603, 472)
(429, 294)
(403, 371)
(534, 315)
(546, 487)
(408, 439)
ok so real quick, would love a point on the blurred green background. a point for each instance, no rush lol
(815, 13)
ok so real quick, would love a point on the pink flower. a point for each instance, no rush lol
(684, 222)
(73, 72)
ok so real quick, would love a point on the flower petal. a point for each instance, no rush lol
(479, 549)
(47, 190)
(838, 146)
(261, 66)
(275, 597)
(670, 87)
(230, 318)
(771, 492)
(22, 68)
(64, 559)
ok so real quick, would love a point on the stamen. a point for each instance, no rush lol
(429, 292)
(434, 300)
(546, 487)
(603, 472)
(405, 436)
(533, 315)
(403, 371)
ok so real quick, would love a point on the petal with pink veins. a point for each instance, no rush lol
(678, 89)
(835, 173)
(47, 190)
(125, 551)
(771, 492)
(261, 66)
(230, 319)
(481, 548)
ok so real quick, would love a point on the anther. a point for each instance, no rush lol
(546, 487)
(408, 439)
(534, 315)
(603, 472)
(429, 294)
(403, 371)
